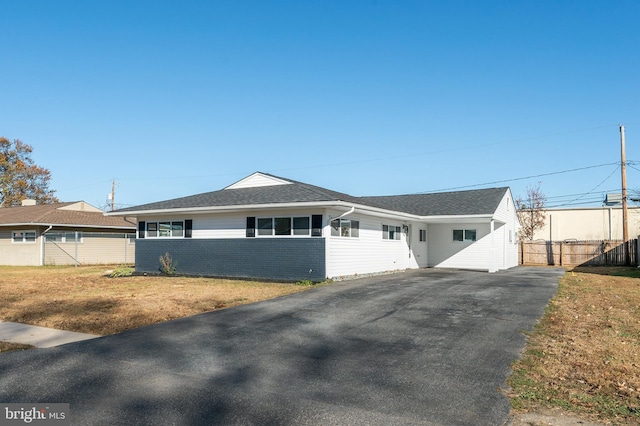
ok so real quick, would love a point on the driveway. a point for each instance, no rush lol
(430, 347)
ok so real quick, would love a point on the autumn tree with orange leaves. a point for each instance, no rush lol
(20, 178)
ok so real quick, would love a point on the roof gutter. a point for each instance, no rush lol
(244, 207)
(309, 204)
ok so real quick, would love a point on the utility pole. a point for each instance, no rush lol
(113, 193)
(623, 168)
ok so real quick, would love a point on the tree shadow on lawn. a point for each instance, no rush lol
(615, 271)
(72, 315)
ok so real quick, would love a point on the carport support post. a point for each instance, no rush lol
(493, 263)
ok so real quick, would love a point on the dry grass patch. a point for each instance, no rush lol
(7, 347)
(584, 355)
(86, 300)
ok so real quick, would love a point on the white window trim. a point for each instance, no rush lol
(397, 231)
(158, 222)
(273, 227)
(340, 221)
(464, 235)
(24, 237)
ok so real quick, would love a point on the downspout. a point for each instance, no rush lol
(353, 209)
(42, 245)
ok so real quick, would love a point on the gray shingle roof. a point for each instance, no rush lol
(481, 201)
(478, 201)
(290, 193)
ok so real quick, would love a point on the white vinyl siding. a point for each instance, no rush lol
(419, 246)
(446, 253)
(234, 225)
(506, 220)
(368, 253)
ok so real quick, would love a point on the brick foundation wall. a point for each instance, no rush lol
(280, 259)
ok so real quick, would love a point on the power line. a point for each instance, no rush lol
(520, 178)
(594, 188)
(386, 158)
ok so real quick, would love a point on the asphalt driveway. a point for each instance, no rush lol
(429, 347)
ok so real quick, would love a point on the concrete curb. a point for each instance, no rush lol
(40, 337)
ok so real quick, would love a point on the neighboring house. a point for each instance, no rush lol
(269, 227)
(588, 223)
(64, 234)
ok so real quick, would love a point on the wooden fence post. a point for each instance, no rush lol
(561, 260)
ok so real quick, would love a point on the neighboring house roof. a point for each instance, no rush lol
(75, 214)
(287, 191)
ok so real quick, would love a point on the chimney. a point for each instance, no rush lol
(28, 202)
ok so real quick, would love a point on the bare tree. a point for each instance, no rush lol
(531, 211)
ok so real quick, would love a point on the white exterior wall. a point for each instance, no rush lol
(218, 226)
(496, 247)
(597, 223)
(446, 253)
(506, 233)
(419, 249)
(234, 225)
(368, 253)
(229, 225)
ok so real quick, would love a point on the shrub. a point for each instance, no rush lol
(122, 271)
(167, 265)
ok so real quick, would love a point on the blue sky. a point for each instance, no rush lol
(365, 97)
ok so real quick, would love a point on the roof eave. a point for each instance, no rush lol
(67, 225)
(470, 218)
(269, 206)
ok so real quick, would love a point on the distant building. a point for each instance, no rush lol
(64, 234)
(588, 223)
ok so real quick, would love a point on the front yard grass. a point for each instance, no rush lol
(584, 355)
(86, 300)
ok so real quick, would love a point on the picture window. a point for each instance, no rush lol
(283, 226)
(165, 229)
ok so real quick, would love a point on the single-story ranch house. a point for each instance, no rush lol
(64, 234)
(269, 227)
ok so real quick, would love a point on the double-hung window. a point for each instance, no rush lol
(464, 235)
(390, 232)
(347, 228)
(23, 236)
